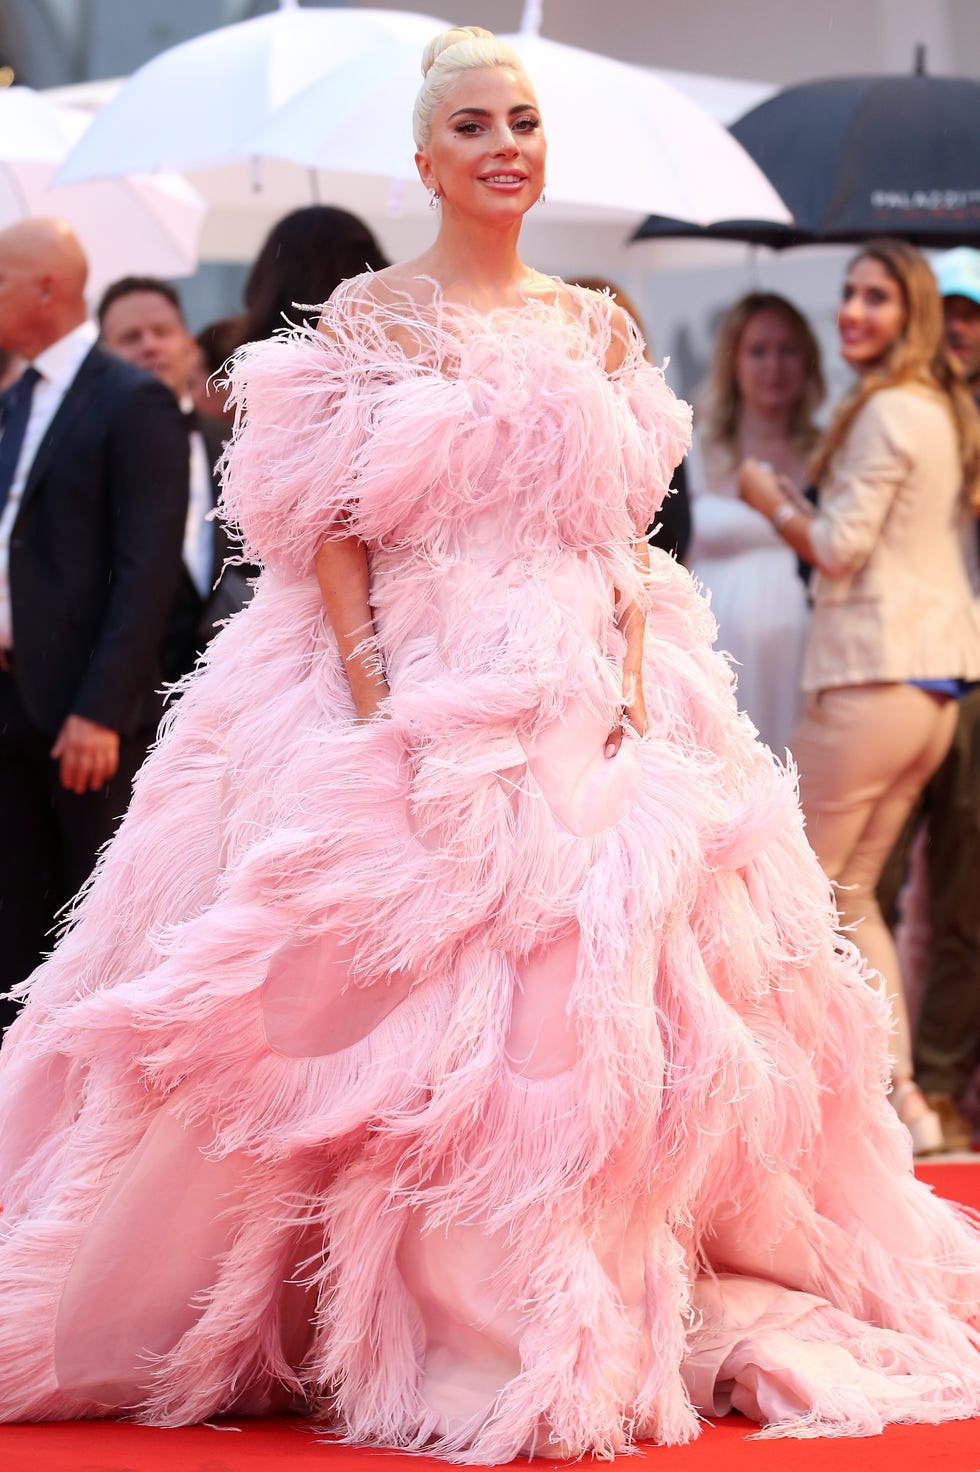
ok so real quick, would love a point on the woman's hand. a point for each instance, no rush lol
(632, 622)
(368, 701)
(634, 711)
(765, 490)
(760, 487)
(777, 499)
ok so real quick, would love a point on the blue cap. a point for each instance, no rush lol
(958, 273)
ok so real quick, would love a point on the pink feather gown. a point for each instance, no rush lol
(438, 1075)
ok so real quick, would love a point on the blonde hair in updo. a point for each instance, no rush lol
(460, 49)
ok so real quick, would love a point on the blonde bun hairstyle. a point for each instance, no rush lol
(460, 49)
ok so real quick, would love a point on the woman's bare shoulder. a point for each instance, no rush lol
(404, 287)
(380, 305)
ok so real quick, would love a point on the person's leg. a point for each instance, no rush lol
(27, 846)
(85, 822)
(864, 754)
(895, 872)
(948, 1042)
(911, 736)
(913, 929)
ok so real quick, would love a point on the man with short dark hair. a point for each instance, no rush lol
(93, 497)
(141, 319)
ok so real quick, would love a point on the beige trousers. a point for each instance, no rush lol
(864, 753)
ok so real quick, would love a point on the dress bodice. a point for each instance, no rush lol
(405, 427)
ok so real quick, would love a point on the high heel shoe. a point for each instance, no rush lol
(922, 1123)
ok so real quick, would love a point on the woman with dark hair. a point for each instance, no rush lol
(896, 619)
(764, 387)
(303, 260)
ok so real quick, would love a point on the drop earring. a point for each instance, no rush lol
(541, 199)
(433, 199)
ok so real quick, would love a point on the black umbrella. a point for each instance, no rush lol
(855, 157)
(749, 232)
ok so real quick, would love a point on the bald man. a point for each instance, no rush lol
(93, 499)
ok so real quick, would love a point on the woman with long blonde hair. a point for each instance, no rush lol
(895, 637)
(764, 386)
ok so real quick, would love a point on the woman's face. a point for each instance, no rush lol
(770, 364)
(872, 316)
(486, 151)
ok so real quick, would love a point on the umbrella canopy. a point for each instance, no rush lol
(307, 104)
(638, 145)
(855, 157)
(198, 106)
(126, 225)
(747, 232)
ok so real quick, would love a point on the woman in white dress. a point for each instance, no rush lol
(764, 386)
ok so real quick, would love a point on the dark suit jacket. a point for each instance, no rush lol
(193, 619)
(95, 551)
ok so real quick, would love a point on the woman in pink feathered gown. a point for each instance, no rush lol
(448, 1046)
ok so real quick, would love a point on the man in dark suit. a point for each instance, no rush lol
(140, 319)
(93, 499)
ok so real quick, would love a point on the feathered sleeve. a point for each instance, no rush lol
(287, 470)
(302, 403)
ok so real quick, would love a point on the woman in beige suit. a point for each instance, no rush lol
(895, 635)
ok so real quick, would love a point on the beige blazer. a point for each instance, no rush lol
(897, 598)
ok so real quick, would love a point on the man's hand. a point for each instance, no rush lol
(88, 754)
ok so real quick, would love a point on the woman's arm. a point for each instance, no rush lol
(344, 577)
(632, 622)
(778, 501)
(725, 527)
(866, 477)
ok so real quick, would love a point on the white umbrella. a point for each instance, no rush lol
(126, 225)
(197, 106)
(618, 136)
(302, 105)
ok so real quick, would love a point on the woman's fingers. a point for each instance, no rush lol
(613, 741)
(635, 712)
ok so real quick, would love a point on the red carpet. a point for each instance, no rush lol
(289, 1446)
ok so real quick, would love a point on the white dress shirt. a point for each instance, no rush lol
(58, 366)
(198, 531)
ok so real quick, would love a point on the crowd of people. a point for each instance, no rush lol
(455, 944)
(759, 409)
(877, 700)
(866, 805)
